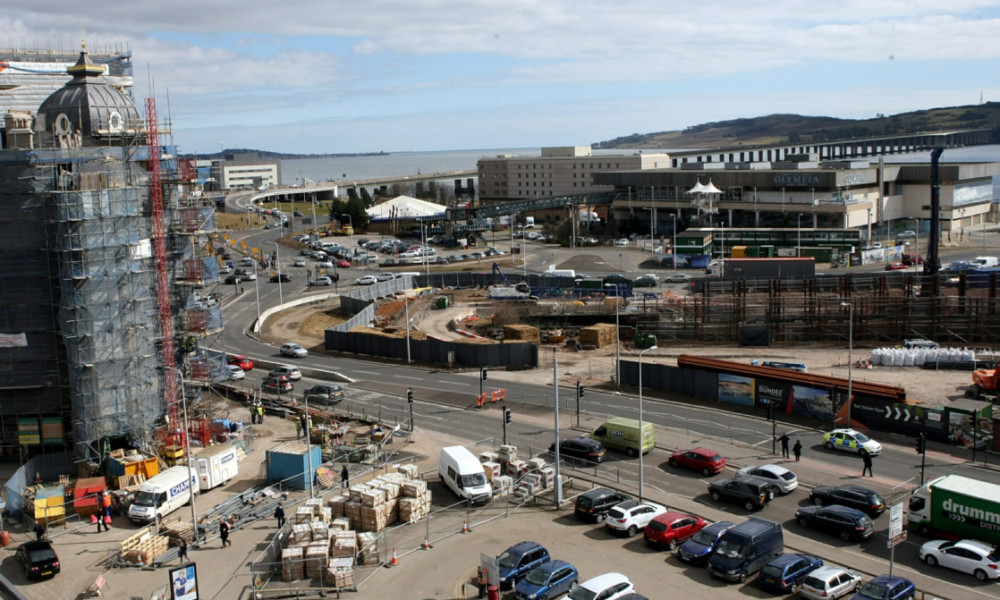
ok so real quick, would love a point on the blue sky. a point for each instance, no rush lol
(317, 77)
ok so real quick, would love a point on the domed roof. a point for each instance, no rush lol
(89, 105)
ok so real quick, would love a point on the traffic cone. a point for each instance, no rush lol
(427, 544)
(395, 560)
(465, 526)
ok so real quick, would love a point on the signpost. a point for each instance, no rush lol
(896, 532)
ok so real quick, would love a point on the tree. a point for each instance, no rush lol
(366, 197)
(356, 208)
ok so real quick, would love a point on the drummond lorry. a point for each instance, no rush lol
(956, 507)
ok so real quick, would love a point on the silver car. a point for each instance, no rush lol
(294, 350)
(776, 475)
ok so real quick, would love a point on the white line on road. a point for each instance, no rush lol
(408, 377)
(368, 373)
(459, 383)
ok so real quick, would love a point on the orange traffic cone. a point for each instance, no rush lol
(395, 560)
(427, 544)
(465, 526)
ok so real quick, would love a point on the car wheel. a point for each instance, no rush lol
(802, 522)
(829, 445)
(599, 519)
(931, 560)
(672, 545)
(631, 531)
(706, 472)
(743, 577)
(980, 575)
(769, 495)
(862, 452)
(749, 505)
(630, 452)
(817, 501)
(716, 496)
(845, 536)
(674, 464)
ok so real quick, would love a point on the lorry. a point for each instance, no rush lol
(163, 494)
(215, 465)
(622, 434)
(461, 471)
(529, 222)
(745, 549)
(954, 507)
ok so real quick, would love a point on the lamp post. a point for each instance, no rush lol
(256, 284)
(798, 245)
(618, 345)
(850, 356)
(406, 306)
(555, 387)
(673, 242)
(187, 450)
(277, 264)
(642, 438)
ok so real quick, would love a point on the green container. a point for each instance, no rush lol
(753, 252)
(441, 303)
(645, 340)
(766, 252)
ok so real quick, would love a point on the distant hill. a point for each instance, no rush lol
(794, 129)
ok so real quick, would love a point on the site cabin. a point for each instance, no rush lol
(216, 465)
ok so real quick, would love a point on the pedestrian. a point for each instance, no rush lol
(39, 531)
(224, 532)
(866, 459)
(101, 513)
(298, 428)
(260, 414)
(182, 551)
(345, 476)
(481, 581)
(797, 450)
(279, 513)
(784, 439)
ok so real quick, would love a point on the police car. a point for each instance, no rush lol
(852, 441)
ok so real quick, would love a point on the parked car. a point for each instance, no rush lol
(709, 462)
(385, 276)
(852, 441)
(37, 559)
(648, 280)
(299, 262)
(696, 550)
(321, 280)
(284, 277)
(852, 496)
(547, 580)
(241, 361)
(621, 242)
(294, 350)
(895, 267)
(324, 264)
(631, 516)
(886, 587)
(829, 583)
(277, 384)
(673, 528)
(324, 393)
(617, 279)
(677, 278)
(343, 263)
(966, 556)
(366, 280)
(776, 475)
(515, 562)
(847, 523)
(610, 586)
(288, 371)
(580, 448)
(786, 573)
(234, 373)
(753, 494)
(593, 505)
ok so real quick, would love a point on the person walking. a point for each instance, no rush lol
(866, 459)
(182, 551)
(784, 439)
(279, 513)
(260, 414)
(102, 512)
(224, 532)
(345, 476)
(298, 428)
(797, 450)
(39, 530)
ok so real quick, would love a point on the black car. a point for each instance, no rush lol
(617, 279)
(645, 281)
(324, 393)
(38, 559)
(848, 523)
(233, 279)
(593, 505)
(285, 278)
(580, 448)
(853, 496)
(752, 494)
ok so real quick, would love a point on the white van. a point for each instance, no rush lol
(529, 222)
(554, 272)
(464, 474)
(215, 465)
(162, 495)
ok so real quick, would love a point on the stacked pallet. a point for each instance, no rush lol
(144, 545)
(599, 335)
(303, 514)
(340, 573)
(340, 524)
(292, 567)
(415, 502)
(410, 471)
(507, 453)
(535, 464)
(344, 544)
(182, 530)
(301, 533)
(517, 469)
(502, 485)
(375, 518)
(319, 530)
(336, 505)
(530, 485)
(316, 556)
(492, 469)
(485, 457)
(367, 548)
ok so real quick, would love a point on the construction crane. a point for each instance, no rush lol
(521, 291)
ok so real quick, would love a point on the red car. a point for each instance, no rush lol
(896, 267)
(344, 264)
(672, 528)
(242, 362)
(709, 462)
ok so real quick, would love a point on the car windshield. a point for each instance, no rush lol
(875, 591)
(729, 549)
(144, 499)
(657, 526)
(788, 476)
(537, 577)
(582, 593)
(41, 554)
(861, 438)
(508, 560)
(473, 480)
(704, 538)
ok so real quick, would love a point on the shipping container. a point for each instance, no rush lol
(738, 252)
(956, 507)
(288, 463)
(752, 252)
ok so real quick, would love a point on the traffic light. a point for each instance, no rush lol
(506, 416)
(409, 395)
(921, 444)
(483, 372)
(579, 390)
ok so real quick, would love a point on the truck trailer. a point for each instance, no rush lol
(956, 507)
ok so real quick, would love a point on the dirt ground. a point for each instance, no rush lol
(593, 367)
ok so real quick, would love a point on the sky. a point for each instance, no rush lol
(318, 77)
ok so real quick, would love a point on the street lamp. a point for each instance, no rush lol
(406, 306)
(798, 246)
(850, 356)
(642, 438)
(256, 284)
(187, 450)
(277, 264)
(618, 344)
(555, 387)
(673, 242)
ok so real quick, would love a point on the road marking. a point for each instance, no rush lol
(368, 373)
(459, 383)
(408, 377)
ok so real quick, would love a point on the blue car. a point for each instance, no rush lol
(786, 573)
(696, 550)
(516, 561)
(547, 581)
(887, 587)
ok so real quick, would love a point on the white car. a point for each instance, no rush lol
(366, 280)
(234, 373)
(294, 350)
(288, 371)
(385, 276)
(677, 278)
(603, 587)
(852, 440)
(325, 264)
(965, 556)
(776, 475)
(829, 583)
(321, 280)
(621, 242)
(632, 516)
(299, 262)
